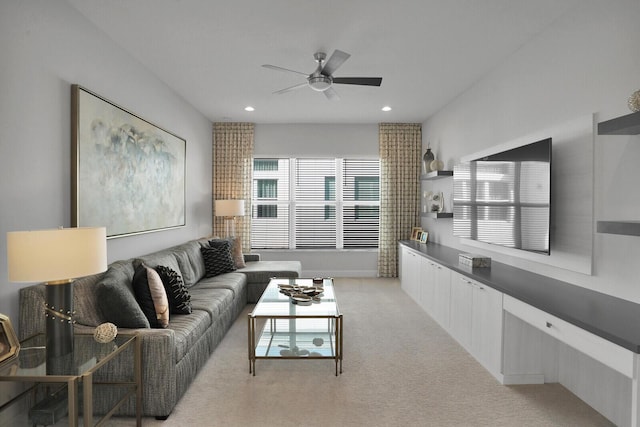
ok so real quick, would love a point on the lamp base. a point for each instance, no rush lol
(59, 318)
(230, 227)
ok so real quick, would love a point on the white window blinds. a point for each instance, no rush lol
(315, 203)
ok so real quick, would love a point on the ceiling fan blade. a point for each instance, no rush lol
(289, 89)
(331, 94)
(275, 67)
(364, 81)
(336, 60)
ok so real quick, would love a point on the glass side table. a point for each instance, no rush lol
(65, 378)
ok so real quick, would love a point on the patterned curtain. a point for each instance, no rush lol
(232, 171)
(400, 157)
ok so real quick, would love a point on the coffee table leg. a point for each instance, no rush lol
(250, 344)
(340, 331)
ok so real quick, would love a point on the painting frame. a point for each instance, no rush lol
(127, 174)
(9, 344)
(424, 236)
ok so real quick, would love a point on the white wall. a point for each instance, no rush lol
(586, 62)
(321, 140)
(46, 46)
(316, 140)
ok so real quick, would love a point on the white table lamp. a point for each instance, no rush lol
(229, 209)
(57, 257)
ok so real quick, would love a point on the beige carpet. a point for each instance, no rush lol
(400, 369)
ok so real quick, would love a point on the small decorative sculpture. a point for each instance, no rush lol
(437, 202)
(105, 333)
(634, 101)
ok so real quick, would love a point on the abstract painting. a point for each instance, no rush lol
(127, 174)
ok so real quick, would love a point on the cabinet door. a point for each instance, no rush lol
(460, 315)
(442, 294)
(410, 274)
(427, 286)
(486, 321)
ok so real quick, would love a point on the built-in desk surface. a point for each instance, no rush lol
(611, 318)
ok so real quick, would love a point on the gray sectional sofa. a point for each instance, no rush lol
(173, 356)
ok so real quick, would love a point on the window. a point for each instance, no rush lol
(267, 189)
(315, 203)
(270, 204)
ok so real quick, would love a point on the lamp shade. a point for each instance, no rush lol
(57, 254)
(229, 207)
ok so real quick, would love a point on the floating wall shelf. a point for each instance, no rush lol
(436, 215)
(436, 175)
(624, 125)
(628, 228)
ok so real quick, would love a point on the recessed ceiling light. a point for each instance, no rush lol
(249, 108)
(386, 108)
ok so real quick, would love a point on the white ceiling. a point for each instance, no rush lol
(427, 51)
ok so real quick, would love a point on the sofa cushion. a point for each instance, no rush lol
(177, 293)
(217, 260)
(233, 281)
(259, 273)
(85, 300)
(188, 330)
(263, 271)
(214, 301)
(190, 262)
(165, 257)
(151, 295)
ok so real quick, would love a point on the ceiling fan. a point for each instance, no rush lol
(322, 79)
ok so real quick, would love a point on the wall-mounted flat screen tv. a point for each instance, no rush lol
(505, 198)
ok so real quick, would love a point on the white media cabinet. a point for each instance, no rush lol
(526, 328)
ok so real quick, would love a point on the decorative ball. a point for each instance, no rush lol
(105, 332)
(634, 101)
(436, 165)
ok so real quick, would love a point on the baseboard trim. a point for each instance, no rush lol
(340, 273)
(515, 379)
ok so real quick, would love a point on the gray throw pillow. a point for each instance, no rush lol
(119, 305)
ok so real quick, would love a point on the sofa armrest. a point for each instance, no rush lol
(31, 317)
(158, 370)
(251, 257)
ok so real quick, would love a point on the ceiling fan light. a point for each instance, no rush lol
(320, 83)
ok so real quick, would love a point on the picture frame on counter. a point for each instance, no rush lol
(9, 344)
(415, 233)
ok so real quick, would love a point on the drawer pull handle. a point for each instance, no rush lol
(549, 324)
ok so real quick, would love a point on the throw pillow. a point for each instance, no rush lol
(236, 250)
(177, 293)
(119, 306)
(150, 294)
(217, 260)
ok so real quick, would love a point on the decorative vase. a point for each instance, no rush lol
(634, 102)
(426, 161)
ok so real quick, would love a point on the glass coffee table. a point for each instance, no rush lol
(293, 327)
